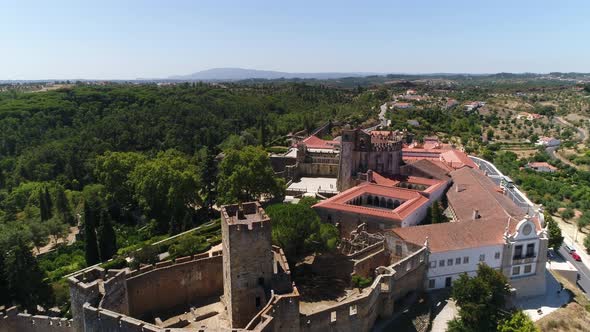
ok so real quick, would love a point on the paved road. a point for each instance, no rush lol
(583, 271)
(581, 131)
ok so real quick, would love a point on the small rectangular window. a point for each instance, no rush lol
(432, 264)
(457, 260)
(333, 316)
(530, 250)
(482, 257)
(431, 283)
(516, 270)
(441, 262)
(528, 268)
(466, 260)
(497, 255)
(353, 310)
(450, 262)
(517, 252)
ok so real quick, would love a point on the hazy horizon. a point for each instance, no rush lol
(151, 39)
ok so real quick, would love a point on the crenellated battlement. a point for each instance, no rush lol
(386, 146)
(246, 216)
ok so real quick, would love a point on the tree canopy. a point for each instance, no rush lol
(297, 229)
(480, 300)
(245, 175)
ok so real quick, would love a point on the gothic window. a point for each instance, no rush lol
(383, 204)
(396, 203)
(370, 200)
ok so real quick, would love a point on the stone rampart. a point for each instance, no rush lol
(13, 321)
(167, 286)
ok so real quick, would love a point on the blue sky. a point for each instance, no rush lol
(126, 39)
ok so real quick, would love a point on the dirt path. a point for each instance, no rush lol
(71, 238)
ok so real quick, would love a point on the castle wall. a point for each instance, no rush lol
(180, 284)
(84, 288)
(13, 321)
(116, 293)
(102, 320)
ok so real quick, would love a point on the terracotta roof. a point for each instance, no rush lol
(457, 159)
(314, 142)
(541, 164)
(472, 190)
(433, 168)
(413, 200)
(476, 192)
(454, 235)
(433, 184)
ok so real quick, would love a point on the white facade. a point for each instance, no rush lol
(446, 267)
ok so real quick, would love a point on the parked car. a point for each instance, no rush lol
(576, 256)
(569, 248)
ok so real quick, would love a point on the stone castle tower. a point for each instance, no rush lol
(247, 261)
(380, 151)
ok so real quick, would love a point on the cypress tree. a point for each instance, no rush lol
(91, 245)
(62, 206)
(107, 239)
(43, 210)
(48, 203)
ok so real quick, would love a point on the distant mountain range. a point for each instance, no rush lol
(236, 74)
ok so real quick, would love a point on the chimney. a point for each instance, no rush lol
(475, 214)
(369, 176)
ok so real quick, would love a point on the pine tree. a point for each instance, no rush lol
(91, 249)
(107, 239)
(42, 206)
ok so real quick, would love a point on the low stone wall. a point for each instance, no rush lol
(365, 266)
(13, 321)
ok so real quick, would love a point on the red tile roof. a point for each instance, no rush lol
(542, 164)
(314, 142)
(457, 159)
(413, 200)
(454, 235)
(497, 213)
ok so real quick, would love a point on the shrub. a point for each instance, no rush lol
(361, 282)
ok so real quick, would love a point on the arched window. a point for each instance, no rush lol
(369, 200)
(390, 203)
(376, 201)
(396, 203)
(383, 204)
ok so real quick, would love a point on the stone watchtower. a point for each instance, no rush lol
(247, 261)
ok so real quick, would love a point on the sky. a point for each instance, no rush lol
(128, 39)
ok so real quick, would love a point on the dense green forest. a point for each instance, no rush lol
(132, 164)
